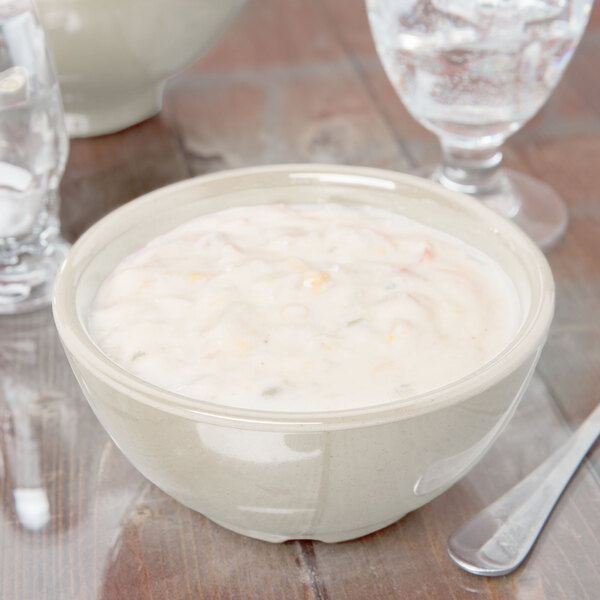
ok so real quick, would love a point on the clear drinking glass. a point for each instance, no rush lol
(33, 152)
(473, 72)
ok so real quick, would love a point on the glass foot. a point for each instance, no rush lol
(538, 209)
(531, 204)
(27, 285)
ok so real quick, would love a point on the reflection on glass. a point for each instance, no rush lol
(32, 506)
(25, 405)
(64, 486)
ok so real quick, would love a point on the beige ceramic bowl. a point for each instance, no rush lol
(114, 56)
(327, 475)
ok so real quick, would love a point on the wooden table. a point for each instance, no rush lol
(295, 81)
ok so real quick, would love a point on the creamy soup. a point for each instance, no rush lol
(304, 307)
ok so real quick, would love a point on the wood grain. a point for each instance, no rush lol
(295, 81)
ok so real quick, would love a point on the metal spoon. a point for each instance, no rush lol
(497, 540)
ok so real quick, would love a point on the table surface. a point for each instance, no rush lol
(296, 81)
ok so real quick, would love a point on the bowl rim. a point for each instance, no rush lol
(526, 343)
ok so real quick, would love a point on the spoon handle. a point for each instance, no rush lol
(496, 540)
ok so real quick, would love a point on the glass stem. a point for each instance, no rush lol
(471, 170)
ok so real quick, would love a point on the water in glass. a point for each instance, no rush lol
(474, 71)
(33, 153)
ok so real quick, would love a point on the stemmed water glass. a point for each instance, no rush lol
(473, 72)
(33, 152)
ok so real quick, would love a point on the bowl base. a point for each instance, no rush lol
(88, 121)
(329, 538)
